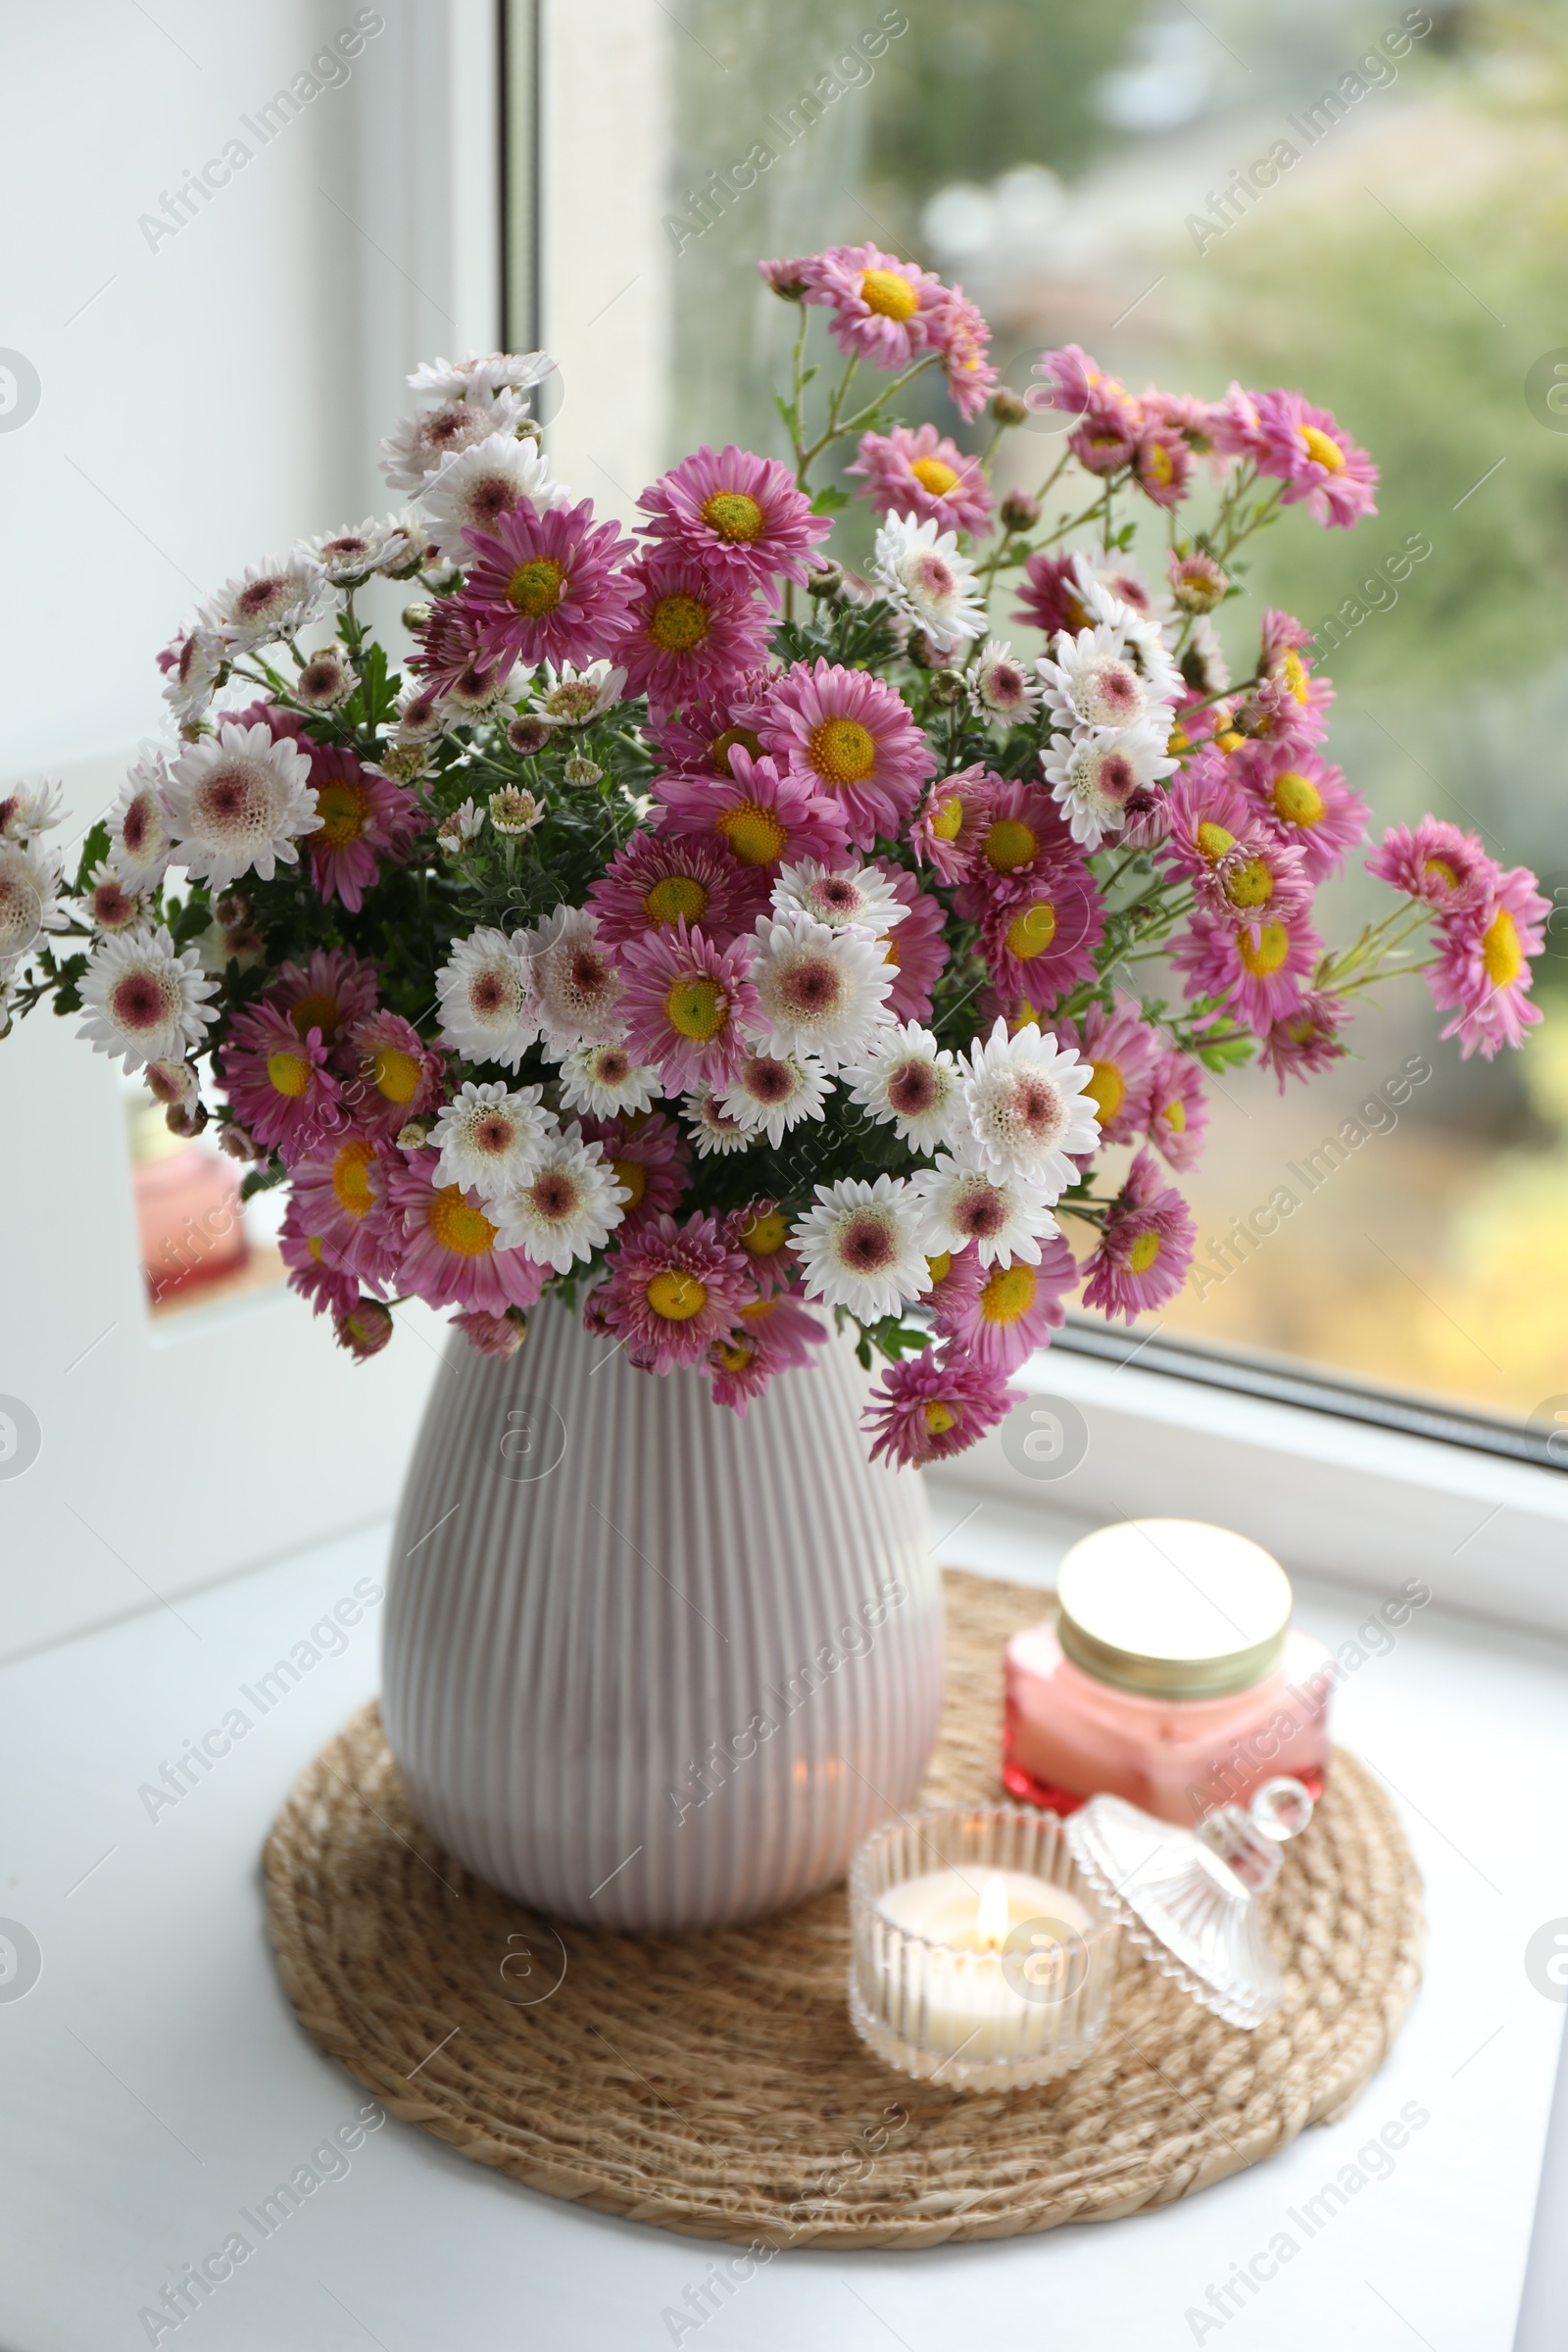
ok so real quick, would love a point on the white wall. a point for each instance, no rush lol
(205, 397)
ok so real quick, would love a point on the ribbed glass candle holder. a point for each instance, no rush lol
(981, 1955)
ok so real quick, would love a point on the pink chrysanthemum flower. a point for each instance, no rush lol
(763, 1236)
(399, 1074)
(1235, 426)
(333, 991)
(925, 474)
(1177, 1107)
(1040, 935)
(277, 1082)
(952, 822)
(446, 653)
(1284, 660)
(449, 1255)
(1197, 580)
(1257, 972)
(1303, 1042)
(1205, 814)
(364, 817)
(1437, 864)
(1023, 838)
(674, 1289)
(1071, 381)
(343, 1201)
(1146, 1246)
(1307, 803)
(691, 628)
(1163, 464)
(1121, 1050)
(963, 335)
(1001, 1314)
(883, 310)
(852, 736)
(771, 1336)
(658, 878)
(311, 1272)
(1051, 596)
(1482, 969)
(916, 949)
(698, 739)
(1304, 447)
(363, 1329)
(935, 1404)
(1260, 878)
(546, 588)
(765, 819)
(499, 1336)
(788, 278)
(1106, 438)
(740, 515)
(650, 1160)
(685, 1003)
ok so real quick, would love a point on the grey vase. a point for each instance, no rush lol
(648, 1666)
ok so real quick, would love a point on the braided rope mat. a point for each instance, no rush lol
(714, 2084)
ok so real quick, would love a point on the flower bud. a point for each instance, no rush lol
(414, 617)
(1009, 407)
(582, 771)
(926, 653)
(1021, 512)
(186, 1119)
(413, 1134)
(365, 1330)
(527, 736)
(825, 578)
(946, 688)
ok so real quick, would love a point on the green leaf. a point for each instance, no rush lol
(262, 1180)
(93, 849)
(831, 500)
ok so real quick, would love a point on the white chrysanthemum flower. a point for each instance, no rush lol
(480, 378)
(907, 1079)
(1204, 663)
(489, 1137)
(1000, 686)
(575, 981)
(29, 888)
(405, 545)
(472, 491)
(927, 579)
(1111, 589)
(1093, 771)
(573, 698)
(416, 445)
(108, 903)
(350, 555)
(1028, 1106)
(963, 1201)
(1092, 682)
(29, 810)
(861, 1246)
(566, 1208)
(239, 803)
(195, 664)
(818, 991)
(485, 992)
(139, 840)
(607, 1080)
(455, 832)
(514, 811)
(841, 898)
(270, 600)
(774, 1091)
(714, 1131)
(143, 1001)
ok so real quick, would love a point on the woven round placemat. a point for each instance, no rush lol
(714, 2084)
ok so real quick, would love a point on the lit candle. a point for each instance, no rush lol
(1006, 1952)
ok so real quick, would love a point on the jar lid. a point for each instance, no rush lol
(1171, 1609)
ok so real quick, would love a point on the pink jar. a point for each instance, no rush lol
(1171, 1676)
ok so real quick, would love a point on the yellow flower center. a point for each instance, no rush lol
(1177, 741)
(675, 896)
(1031, 933)
(890, 952)
(842, 751)
(1296, 798)
(344, 807)
(1106, 1090)
(396, 1075)
(719, 750)
(937, 1419)
(677, 623)
(313, 1245)
(1144, 1252)
(351, 1185)
(319, 1011)
(754, 834)
(1174, 1115)
(632, 1178)
(1266, 952)
(1160, 462)
(1009, 842)
(940, 1267)
(1501, 951)
(1228, 740)
(733, 1356)
(888, 294)
(1328, 453)
(1443, 870)
(676, 1297)
(763, 1236)
(758, 1310)
(458, 1226)
(733, 515)
(1009, 1293)
(288, 1074)
(697, 1007)
(536, 587)
(949, 819)
(1213, 840)
(933, 475)
(1295, 673)
(1252, 884)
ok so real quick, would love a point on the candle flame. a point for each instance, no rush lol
(990, 1924)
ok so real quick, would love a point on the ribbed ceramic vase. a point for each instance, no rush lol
(650, 1666)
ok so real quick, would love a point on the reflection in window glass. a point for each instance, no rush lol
(1357, 201)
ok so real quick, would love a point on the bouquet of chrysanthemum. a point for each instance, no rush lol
(703, 932)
